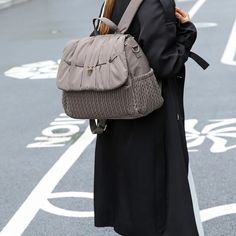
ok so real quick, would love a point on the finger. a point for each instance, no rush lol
(184, 14)
(181, 12)
(181, 18)
(178, 15)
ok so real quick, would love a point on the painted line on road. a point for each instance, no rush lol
(214, 212)
(205, 24)
(218, 131)
(196, 8)
(38, 197)
(195, 202)
(52, 209)
(9, 3)
(34, 71)
(229, 55)
(59, 133)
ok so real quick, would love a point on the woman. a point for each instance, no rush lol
(141, 165)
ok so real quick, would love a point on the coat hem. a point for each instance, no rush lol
(117, 230)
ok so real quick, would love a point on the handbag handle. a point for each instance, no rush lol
(112, 26)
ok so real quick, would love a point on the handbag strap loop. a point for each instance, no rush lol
(112, 26)
(99, 127)
(125, 21)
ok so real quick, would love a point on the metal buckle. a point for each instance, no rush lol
(90, 70)
(103, 127)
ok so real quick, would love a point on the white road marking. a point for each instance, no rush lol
(214, 212)
(194, 137)
(205, 24)
(34, 71)
(196, 8)
(50, 208)
(195, 203)
(55, 136)
(229, 56)
(218, 131)
(47, 142)
(60, 132)
(36, 200)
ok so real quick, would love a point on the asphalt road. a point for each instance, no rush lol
(46, 170)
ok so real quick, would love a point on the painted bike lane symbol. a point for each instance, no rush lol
(39, 199)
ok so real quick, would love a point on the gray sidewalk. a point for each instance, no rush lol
(8, 3)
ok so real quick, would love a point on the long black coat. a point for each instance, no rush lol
(141, 165)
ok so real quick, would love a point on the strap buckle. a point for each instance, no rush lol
(99, 127)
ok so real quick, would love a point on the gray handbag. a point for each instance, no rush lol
(108, 76)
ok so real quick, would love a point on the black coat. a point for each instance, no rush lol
(141, 165)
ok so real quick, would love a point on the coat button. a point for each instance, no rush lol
(179, 77)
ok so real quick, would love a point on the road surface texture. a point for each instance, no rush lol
(46, 170)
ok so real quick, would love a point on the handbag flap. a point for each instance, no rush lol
(93, 63)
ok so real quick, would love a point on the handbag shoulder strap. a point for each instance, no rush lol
(128, 15)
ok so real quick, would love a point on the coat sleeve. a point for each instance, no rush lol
(166, 45)
(186, 34)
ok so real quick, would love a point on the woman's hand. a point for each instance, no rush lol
(182, 15)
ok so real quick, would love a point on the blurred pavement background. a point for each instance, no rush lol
(46, 170)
